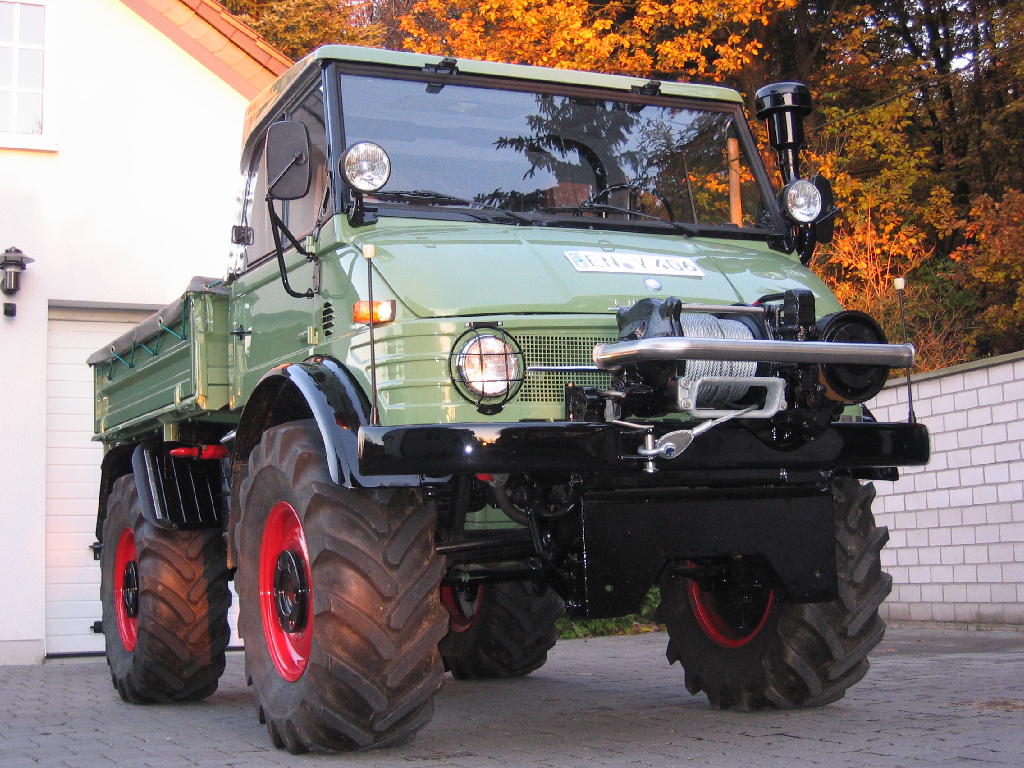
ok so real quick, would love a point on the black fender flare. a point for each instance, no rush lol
(319, 388)
(117, 462)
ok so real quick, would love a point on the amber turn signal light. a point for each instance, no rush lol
(367, 312)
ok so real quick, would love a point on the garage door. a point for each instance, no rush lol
(73, 476)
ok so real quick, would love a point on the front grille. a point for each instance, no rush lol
(549, 386)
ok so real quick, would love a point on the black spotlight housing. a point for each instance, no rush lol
(783, 107)
(846, 382)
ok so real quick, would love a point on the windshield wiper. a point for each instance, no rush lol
(430, 197)
(427, 196)
(605, 207)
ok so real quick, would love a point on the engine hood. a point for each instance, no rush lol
(448, 269)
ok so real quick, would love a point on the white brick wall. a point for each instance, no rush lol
(956, 526)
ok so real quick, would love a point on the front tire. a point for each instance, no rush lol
(339, 608)
(165, 603)
(763, 652)
(499, 630)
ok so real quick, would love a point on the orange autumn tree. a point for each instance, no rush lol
(992, 265)
(709, 39)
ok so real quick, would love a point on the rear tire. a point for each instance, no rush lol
(165, 602)
(506, 631)
(339, 607)
(790, 655)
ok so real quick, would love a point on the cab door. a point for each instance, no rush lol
(268, 326)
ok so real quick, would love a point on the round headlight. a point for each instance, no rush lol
(366, 166)
(801, 201)
(487, 368)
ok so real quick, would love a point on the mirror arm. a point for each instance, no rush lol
(298, 157)
(277, 227)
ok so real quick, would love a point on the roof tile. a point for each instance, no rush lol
(195, 28)
(179, 14)
(230, 54)
(217, 39)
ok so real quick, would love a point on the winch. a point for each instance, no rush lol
(751, 361)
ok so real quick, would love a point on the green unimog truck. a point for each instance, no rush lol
(496, 342)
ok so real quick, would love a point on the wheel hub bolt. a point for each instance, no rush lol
(291, 592)
(130, 589)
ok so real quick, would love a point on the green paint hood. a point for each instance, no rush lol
(452, 269)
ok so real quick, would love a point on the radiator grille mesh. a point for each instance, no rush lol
(546, 387)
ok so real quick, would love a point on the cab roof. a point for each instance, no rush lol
(266, 101)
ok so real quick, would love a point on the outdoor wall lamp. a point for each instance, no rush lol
(12, 264)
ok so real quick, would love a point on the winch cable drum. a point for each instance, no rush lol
(705, 326)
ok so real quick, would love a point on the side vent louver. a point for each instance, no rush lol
(327, 319)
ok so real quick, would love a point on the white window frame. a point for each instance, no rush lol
(47, 140)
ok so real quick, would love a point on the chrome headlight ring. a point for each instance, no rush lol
(487, 367)
(801, 201)
(366, 166)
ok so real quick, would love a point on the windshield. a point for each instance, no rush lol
(474, 149)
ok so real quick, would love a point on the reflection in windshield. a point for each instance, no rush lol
(532, 153)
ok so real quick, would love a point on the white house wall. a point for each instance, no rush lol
(137, 197)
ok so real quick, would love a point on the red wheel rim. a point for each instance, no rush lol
(283, 557)
(718, 618)
(126, 589)
(462, 612)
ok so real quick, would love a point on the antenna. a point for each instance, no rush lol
(369, 251)
(900, 283)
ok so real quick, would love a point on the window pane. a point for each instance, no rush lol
(30, 113)
(31, 25)
(303, 213)
(537, 152)
(7, 22)
(30, 69)
(6, 66)
(257, 218)
(6, 112)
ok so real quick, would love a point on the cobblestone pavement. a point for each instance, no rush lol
(932, 698)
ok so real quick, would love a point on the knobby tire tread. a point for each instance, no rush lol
(374, 666)
(183, 605)
(510, 637)
(807, 654)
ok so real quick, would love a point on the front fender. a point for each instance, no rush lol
(318, 388)
(321, 389)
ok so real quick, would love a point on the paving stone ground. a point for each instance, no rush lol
(932, 698)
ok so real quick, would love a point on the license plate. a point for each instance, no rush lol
(633, 263)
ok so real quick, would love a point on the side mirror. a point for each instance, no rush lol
(288, 168)
(783, 107)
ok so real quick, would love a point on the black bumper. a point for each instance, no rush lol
(439, 450)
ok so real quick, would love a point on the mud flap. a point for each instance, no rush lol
(629, 537)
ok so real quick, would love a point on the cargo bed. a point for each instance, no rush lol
(170, 367)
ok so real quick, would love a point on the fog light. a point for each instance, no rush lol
(851, 383)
